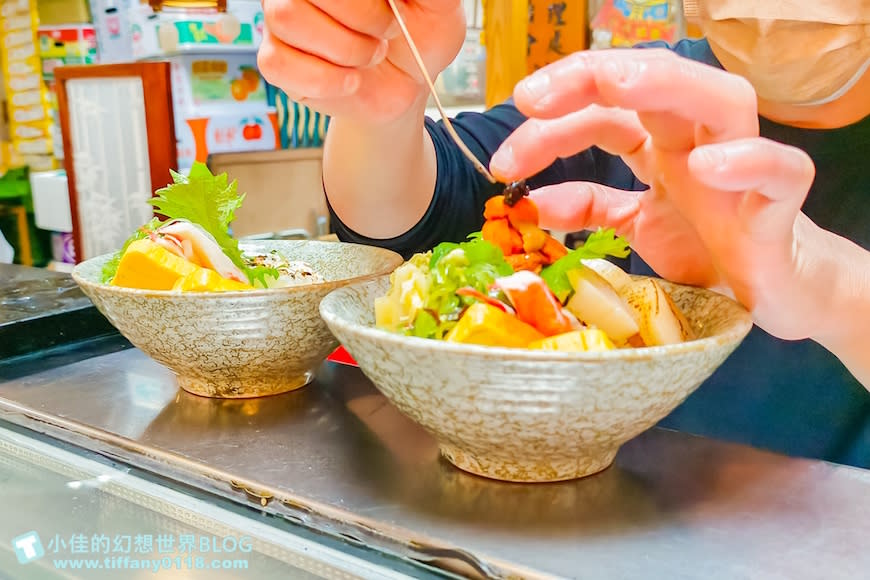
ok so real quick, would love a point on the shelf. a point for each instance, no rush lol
(201, 49)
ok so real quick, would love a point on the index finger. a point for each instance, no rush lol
(372, 17)
(647, 81)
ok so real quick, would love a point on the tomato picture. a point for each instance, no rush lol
(252, 132)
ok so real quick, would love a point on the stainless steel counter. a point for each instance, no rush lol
(338, 458)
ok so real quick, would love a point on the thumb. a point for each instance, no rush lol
(773, 179)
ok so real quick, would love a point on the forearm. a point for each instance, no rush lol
(847, 307)
(380, 178)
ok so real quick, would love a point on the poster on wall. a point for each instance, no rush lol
(624, 23)
(556, 28)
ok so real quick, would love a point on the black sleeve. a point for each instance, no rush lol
(456, 209)
(460, 192)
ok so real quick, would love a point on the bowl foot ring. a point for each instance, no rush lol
(243, 389)
(534, 471)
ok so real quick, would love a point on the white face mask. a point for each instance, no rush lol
(791, 53)
(859, 74)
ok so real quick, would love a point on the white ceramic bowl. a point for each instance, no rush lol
(529, 415)
(238, 344)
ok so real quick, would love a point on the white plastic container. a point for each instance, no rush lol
(216, 83)
(231, 132)
(220, 106)
(51, 201)
(114, 33)
(175, 31)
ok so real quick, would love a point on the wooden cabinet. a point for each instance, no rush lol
(505, 37)
(284, 189)
(524, 35)
(119, 146)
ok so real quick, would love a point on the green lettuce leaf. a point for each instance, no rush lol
(209, 201)
(475, 263)
(425, 325)
(600, 244)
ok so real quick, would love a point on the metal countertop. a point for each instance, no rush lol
(337, 457)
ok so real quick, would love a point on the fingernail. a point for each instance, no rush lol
(380, 53)
(621, 71)
(711, 157)
(503, 160)
(537, 86)
(351, 84)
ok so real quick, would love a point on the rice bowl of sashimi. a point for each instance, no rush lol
(229, 319)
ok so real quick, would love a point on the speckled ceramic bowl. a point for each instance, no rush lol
(534, 416)
(238, 344)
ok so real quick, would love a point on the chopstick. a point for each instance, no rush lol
(421, 65)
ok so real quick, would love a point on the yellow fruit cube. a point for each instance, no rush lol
(149, 266)
(586, 340)
(206, 280)
(386, 312)
(487, 325)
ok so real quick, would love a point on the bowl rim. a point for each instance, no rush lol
(738, 328)
(258, 292)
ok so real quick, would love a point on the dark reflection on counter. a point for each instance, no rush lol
(29, 363)
(41, 309)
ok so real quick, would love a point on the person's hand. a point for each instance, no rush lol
(723, 205)
(348, 59)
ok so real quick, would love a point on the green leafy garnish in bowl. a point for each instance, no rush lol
(600, 244)
(207, 200)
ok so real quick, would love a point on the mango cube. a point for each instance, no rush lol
(487, 325)
(207, 280)
(149, 266)
(586, 340)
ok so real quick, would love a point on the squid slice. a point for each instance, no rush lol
(192, 242)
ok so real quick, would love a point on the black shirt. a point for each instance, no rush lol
(791, 397)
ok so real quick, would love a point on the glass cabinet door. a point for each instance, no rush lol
(67, 516)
